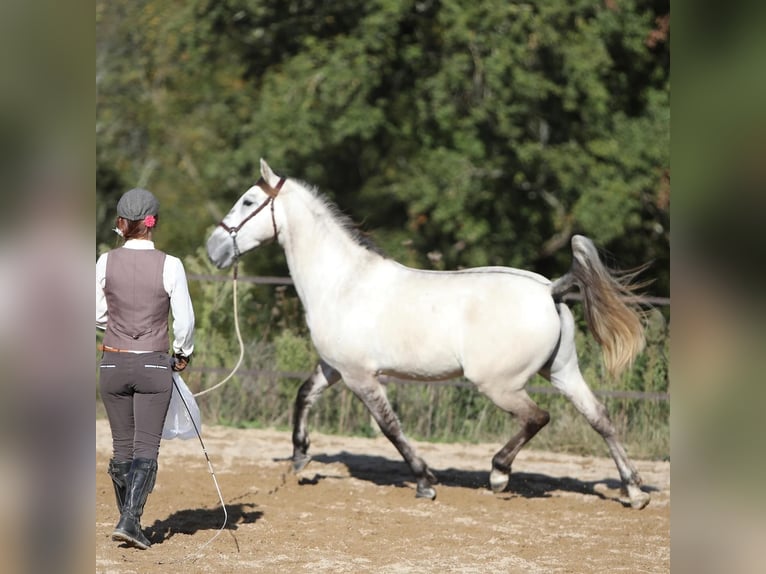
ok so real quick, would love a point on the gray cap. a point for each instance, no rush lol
(137, 204)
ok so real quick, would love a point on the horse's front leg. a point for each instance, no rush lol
(372, 394)
(323, 377)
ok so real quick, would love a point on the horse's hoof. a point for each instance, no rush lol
(639, 501)
(638, 498)
(498, 481)
(300, 462)
(425, 492)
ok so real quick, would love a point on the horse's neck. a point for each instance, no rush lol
(321, 255)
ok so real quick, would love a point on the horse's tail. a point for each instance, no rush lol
(614, 321)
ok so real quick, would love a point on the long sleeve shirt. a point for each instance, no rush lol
(174, 282)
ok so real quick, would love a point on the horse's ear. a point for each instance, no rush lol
(267, 174)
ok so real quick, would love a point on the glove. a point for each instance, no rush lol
(180, 361)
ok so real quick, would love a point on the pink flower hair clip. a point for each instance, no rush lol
(150, 221)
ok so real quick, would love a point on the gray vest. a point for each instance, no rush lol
(136, 299)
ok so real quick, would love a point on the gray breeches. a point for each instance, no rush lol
(135, 390)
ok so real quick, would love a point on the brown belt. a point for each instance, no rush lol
(109, 349)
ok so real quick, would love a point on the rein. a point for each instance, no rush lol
(239, 337)
(272, 193)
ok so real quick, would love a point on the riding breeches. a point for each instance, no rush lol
(135, 390)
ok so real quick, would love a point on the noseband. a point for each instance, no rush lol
(272, 193)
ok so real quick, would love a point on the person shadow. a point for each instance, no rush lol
(192, 520)
(387, 472)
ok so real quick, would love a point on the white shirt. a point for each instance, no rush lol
(174, 281)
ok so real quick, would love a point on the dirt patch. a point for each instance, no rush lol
(353, 509)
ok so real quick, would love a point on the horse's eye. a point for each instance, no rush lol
(247, 203)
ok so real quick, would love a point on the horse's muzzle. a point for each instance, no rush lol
(220, 249)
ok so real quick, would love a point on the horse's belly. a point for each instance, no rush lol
(421, 362)
(405, 350)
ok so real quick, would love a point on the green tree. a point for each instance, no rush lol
(459, 133)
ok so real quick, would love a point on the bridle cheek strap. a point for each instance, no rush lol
(272, 193)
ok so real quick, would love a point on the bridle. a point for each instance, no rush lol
(272, 193)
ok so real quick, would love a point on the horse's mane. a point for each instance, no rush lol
(343, 220)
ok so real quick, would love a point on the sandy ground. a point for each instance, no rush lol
(353, 509)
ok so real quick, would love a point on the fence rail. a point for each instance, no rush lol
(302, 375)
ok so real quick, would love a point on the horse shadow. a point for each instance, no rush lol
(386, 472)
(193, 520)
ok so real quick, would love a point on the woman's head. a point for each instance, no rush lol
(137, 214)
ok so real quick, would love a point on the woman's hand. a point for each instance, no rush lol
(180, 361)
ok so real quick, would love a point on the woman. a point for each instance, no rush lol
(136, 287)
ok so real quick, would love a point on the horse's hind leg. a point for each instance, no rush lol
(322, 377)
(532, 419)
(573, 386)
(372, 394)
(564, 373)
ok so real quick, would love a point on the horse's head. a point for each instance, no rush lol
(249, 223)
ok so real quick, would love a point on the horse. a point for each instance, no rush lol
(372, 317)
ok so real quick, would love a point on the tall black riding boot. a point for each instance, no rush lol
(119, 471)
(143, 472)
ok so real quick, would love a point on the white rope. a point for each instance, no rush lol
(239, 338)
